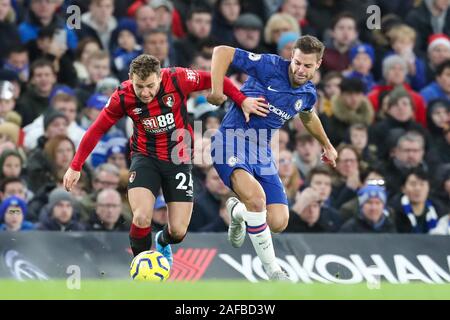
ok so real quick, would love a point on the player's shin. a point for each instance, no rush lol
(140, 239)
(261, 238)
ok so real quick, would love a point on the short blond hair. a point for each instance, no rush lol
(276, 21)
(400, 32)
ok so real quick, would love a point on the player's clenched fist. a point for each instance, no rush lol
(71, 178)
(216, 98)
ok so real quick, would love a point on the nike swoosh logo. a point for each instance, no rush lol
(271, 89)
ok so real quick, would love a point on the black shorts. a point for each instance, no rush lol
(174, 179)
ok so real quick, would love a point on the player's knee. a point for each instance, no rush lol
(177, 234)
(142, 219)
(256, 203)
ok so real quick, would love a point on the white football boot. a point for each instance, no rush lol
(236, 229)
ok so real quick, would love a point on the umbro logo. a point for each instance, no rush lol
(137, 111)
(271, 89)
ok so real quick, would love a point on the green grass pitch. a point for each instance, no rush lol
(215, 290)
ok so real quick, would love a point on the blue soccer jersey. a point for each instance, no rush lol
(247, 147)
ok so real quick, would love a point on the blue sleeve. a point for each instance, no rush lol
(418, 81)
(27, 32)
(259, 66)
(309, 102)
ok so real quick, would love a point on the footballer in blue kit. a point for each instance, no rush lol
(241, 150)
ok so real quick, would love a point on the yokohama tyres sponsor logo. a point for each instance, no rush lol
(190, 264)
(355, 268)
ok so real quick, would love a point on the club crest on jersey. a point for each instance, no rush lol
(169, 100)
(298, 105)
(132, 176)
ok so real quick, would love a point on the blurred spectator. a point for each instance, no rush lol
(99, 22)
(278, 24)
(399, 115)
(146, 20)
(443, 226)
(116, 155)
(106, 176)
(226, 12)
(13, 186)
(42, 13)
(57, 155)
(47, 46)
(344, 36)
(286, 43)
(202, 162)
(308, 215)
(13, 211)
(408, 153)
(163, 11)
(280, 140)
(156, 43)
(372, 217)
(346, 180)
(415, 211)
(394, 74)
(350, 209)
(160, 217)
(298, 9)
(221, 221)
(330, 87)
(431, 16)
(437, 52)
(98, 67)
(359, 138)
(34, 101)
(362, 58)
(440, 88)
(9, 35)
(207, 204)
(59, 214)
(11, 132)
(108, 213)
(289, 176)
(18, 61)
(307, 153)
(11, 164)
(63, 99)
(85, 48)
(438, 119)
(442, 190)
(349, 107)
(125, 47)
(247, 32)
(402, 39)
(8, 103)
(199, 28)
(11, 76)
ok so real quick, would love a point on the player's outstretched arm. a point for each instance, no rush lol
(312, 123)
(221, 60)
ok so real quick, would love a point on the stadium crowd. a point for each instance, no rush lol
(384, 100)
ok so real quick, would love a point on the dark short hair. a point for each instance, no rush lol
(9, 180)
(145, 65)
(320, 169)
(442, 66)
(17, 48)
(343, 15)
(198, 8)
(157, 30)
(352, 85)
(310, 44)
(419, 172)
(41, 63)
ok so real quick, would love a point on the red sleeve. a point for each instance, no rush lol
(110, 114)
(195, 80)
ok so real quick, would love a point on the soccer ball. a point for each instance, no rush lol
(150, 266)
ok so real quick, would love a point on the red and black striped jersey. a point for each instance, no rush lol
(161, 128)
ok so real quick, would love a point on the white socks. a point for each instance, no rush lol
(259, 233)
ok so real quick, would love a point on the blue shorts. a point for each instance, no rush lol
(238, 152)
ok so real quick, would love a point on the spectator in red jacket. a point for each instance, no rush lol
(394, 74)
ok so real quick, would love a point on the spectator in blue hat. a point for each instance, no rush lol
(13, 211)
(94, 106)
(17, 60)
(373, 216)
(286, 43)
(116, 155)
(362, 59)
(126, 46)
